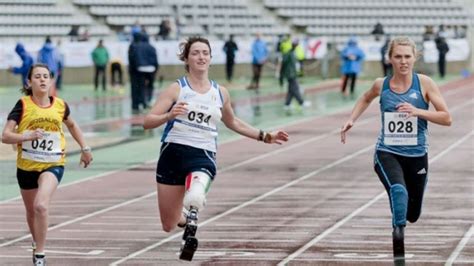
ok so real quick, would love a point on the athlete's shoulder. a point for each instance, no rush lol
(58, 101)
(423, 77)
(378, 84)
(426, 82)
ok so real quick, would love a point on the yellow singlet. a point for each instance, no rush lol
(41, 154)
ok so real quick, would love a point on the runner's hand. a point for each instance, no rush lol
(177, 109)
(277, 137)
(407, 108)
(348, 125)
(32, 135)
(86, 158)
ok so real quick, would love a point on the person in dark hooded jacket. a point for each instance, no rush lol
(27, 63)
(147, 67)
(136, 93)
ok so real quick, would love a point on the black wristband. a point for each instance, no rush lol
(261, 135)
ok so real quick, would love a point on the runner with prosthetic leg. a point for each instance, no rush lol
(192, 108)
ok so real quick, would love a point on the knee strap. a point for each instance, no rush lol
(197, 185)
(399, 200)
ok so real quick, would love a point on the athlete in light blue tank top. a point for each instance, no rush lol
(398, 135)
(401, 158)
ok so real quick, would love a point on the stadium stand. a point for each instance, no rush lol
(37, 18)
(338, 19)
(335, 19)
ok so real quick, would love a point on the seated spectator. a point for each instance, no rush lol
(74, 33)
(428, 35)
(84, 37)
(165, 29)
(378, 31)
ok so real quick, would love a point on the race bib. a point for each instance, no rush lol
(199, 120)
(45, 150)
(399, 130)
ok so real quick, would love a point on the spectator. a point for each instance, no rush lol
(47, 55)
(259, 57)
(27, 62)
(386, 65)
(428, 35)
(300, 55)
(443, 49)
(60, 58)
(74, 33)
(378, 31)
(441, 32)
(290, 73)
(165, 29)
(284, 46)
(100, 57)
(147, 67)
(136, 91)
(116, 72)
(230, 48)
(84, 36)
(352, 57)
(136, 28)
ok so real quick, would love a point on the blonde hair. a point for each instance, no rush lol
(405, 41)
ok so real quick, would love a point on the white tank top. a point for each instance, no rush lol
(197, 128)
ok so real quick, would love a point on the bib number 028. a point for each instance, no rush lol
(399, 129)
(400, 126)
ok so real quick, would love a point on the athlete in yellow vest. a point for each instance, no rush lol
(35, 125)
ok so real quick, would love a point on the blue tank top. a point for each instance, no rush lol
(399, 135)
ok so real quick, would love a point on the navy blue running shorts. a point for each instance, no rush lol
(177, 161)
(29, 179)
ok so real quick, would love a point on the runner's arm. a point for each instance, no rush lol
(361, 105)
(10, 136)
(165, 108)
(76, 133)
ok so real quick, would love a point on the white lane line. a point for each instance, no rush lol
(460, 246)
(92, 252)
(330, 230)
(207, 240)
(249, 202)
(128, 202)
(288, 147)
(360, 209)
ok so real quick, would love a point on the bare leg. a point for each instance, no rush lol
(29, 196)
(47, 186)
(170, 204)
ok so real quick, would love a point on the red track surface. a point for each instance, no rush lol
(312, 201)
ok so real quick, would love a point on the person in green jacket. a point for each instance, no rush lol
(289, 72)
(100, 57)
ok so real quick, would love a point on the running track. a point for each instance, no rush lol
(312, 201)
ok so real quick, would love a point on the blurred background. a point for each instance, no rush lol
(321, 27)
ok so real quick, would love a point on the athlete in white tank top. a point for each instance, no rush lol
(197, 128)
